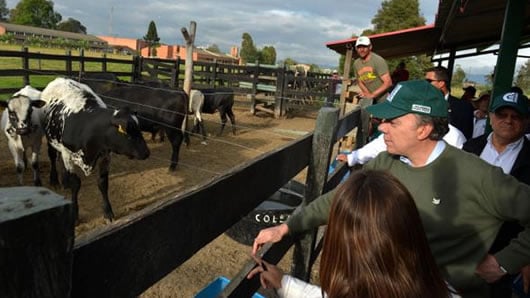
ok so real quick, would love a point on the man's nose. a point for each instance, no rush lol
(382, 127)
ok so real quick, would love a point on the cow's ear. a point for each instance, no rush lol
(38, 103)
(119, 120)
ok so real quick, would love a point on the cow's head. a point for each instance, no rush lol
(19, 109)
(126, 136)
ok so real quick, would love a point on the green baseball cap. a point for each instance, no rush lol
(418, 97)
(515, 100)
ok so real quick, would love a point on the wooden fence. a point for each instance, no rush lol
(40, 259)
(273, 90)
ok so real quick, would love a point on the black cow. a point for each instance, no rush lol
(156, 108)
(222, 100)
(80, 127)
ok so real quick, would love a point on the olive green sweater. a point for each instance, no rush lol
(462, 201)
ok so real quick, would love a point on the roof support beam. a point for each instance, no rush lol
(510, 40)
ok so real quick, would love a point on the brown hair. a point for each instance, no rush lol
(440, 73)
(375, 244)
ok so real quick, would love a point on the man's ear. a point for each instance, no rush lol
(424, 131)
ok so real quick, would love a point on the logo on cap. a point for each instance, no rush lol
(421, 108)
(393, 93)
(510, 97)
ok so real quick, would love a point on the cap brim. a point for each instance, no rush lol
(519, 109)
(385, 110)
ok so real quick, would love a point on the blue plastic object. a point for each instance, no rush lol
(335, 163)
(215, 287)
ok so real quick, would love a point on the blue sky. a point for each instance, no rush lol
(296, 29)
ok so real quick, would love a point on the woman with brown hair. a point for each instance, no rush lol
(374, 246)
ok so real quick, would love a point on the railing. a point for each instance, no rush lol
(40, 258)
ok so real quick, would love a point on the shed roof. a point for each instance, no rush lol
(49, 32)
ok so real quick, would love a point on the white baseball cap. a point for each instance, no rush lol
(362, 41)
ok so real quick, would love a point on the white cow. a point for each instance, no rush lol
(21, 124)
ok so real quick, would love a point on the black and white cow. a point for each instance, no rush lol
(222, 100)
(156, 108)
(84, 131)
(196, 103)
(21, 124)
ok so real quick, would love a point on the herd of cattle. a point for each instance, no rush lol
(87, 121)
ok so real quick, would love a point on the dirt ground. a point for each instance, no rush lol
(136, 184)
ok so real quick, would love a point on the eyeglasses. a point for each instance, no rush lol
(430, 81)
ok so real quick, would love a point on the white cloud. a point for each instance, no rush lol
(297, 29)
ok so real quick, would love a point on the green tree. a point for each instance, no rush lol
(314, 68)
(397, 14)
(268, 55)
(214, 49)
(459, 75)
(152, 39)
(37, 13)
(248, 53)
(4, 12)
(289, 62)
(71, 25)
(522, 79)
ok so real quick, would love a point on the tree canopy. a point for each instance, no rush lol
(37, 13)
(152, 39)
(249, 52)
(397, 14)
(214, 49)
(71, 25)
(522, 79)
(459, 75)
(4, 12)
(268, 55)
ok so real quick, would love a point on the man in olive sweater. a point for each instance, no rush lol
(462, 200)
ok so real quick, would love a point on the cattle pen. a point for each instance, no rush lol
(128, 256)
(271, 89)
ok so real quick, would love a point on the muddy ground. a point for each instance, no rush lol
(136, 184)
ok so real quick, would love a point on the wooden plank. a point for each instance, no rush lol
(36, 243)
(130, 255)
(240, 286)
(348, 123)
(317, 173)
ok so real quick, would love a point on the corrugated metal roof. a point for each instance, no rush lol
(458, 25)
(402, 43)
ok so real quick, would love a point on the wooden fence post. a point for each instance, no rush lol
(68, 63)
(253, 93)
(317, 173)
(25, 66)
(214, 75)
(175, 73)
(190, 39)
(104, 63)
(279, 105)
(36, 243)
(136, 68)
(82, 61)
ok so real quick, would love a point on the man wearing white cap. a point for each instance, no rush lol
(374, 80)
(371, 71)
